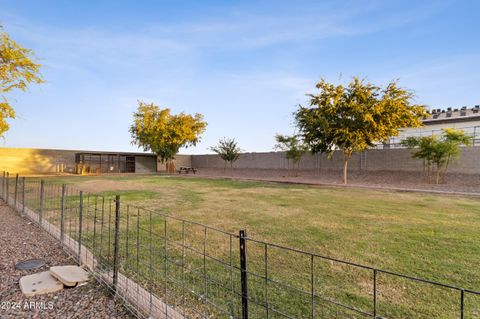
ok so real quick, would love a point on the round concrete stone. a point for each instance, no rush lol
(30, 264)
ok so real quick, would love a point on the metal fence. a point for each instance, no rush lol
(162, 266)
(396, 141)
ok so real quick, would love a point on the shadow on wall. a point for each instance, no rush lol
(36, 161)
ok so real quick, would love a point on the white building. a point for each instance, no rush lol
(464, 118)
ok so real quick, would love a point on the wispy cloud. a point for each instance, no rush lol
(237, 30)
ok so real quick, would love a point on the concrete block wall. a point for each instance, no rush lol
(275, 160)
(40, 161)
(371, 160)
(401, 160)
(180, 160)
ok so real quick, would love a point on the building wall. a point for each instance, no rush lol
(470, 127)
(36, 161)
(145, 164)
(371, 160)
(45, 161)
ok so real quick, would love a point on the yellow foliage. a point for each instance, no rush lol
(354, 117)
(164, 133)
(17, 70)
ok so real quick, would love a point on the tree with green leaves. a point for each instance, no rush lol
(164, 133)
(353, 118)
(454, 139)
(438, 152)
(422, 148)
(294, 149)
(228, 150)
(18, 69)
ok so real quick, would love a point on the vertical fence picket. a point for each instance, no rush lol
(3, 185)
(374, 293)
(151, 262)
(80, 226)
(126, 233)
(244, 274)
(16, 191)
(94, 246)
(42, 195)
(23, 194)
(6, 186)
(462, 304)
(205, 289)
(266, 278)
(62, 213)
(312, 286)
(116, 261)
(183, 267)
(165, 260)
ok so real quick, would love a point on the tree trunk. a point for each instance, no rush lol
(297, 168)
(437, 180)
(224, 167)
(444, 178)
(231, 169)
(170, 166)
(346, 157)
(429, 172)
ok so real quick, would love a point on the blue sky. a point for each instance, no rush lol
(245, 65)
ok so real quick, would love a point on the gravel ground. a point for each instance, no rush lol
(461, 183)
(21, 240)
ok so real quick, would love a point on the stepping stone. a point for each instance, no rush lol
(40, 283)
(69, 275)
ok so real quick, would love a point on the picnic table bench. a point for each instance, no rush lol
(186, 170)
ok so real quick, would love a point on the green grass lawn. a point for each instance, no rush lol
(436, 237)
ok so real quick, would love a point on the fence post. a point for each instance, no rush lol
(6, 194)
(16, 190)
(62, 214)
(23, 194)
(244, 277)
(80, 221)
(3, 179)
(3, 185)
(462, 304)
(116, 244)
(374, 293)
(42, 190)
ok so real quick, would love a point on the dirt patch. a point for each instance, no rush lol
(21, 240)
(100, 185)
(460, 183)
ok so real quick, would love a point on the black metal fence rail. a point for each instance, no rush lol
(163, 266)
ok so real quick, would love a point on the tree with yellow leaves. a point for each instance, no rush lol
(18, 69)
(164, 133)
(354, 117)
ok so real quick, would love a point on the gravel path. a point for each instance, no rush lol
(21, 240)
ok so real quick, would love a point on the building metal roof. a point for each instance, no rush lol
(464, 114)
(114, 153)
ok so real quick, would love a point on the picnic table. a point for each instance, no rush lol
(186, 170)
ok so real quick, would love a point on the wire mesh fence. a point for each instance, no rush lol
(163, 266)
(396, 141)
